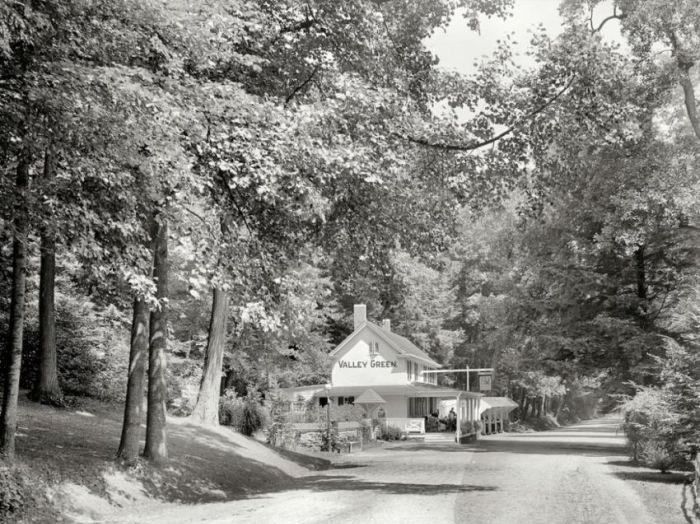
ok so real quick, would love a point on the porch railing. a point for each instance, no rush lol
(407, 425)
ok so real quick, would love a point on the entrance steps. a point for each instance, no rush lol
(435, 438)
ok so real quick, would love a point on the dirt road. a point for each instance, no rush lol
(574, 475)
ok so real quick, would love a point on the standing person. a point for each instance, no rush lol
(452, 418)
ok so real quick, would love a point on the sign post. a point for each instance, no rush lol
(328, 418)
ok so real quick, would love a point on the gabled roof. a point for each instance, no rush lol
(401, 345)
(369, 396)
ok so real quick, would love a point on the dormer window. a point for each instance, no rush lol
(373, 349)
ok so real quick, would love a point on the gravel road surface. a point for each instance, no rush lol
(568, 476)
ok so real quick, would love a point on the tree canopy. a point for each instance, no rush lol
(224, 180)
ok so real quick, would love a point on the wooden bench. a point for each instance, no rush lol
(414, 426)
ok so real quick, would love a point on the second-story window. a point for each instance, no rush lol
(373, 349)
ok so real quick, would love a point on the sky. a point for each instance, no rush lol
(458, 47)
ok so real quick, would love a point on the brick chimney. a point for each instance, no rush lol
(360, 315)
(386, 324)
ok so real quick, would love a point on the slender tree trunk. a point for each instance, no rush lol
(206, 410)
(641, 273)
(156, 436)
(521, 403)
(133, 408)
(642, 288)
(46, 390)
(12, 361)
(696, 484)
(686, 83)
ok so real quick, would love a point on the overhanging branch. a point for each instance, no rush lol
(471, 146)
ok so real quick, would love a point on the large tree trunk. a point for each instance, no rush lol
(206, 410)
(12, 360)
(156, 438)
(46, 390)
(133, 409)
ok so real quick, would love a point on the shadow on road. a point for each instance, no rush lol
(348, 466)
(653, 476)
(440, 448)
(347, 483)
(543, 447)
(563, 434)
(592, 428)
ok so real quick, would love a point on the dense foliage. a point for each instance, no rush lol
(231, 177)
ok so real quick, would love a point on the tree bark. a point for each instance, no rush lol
(156, 437)
(521, 403)
(560, 404)
(206, 410)
(47, 390)
(642, 288)
(133, 409)
(641, 273)
(12, 361)
(688, 94)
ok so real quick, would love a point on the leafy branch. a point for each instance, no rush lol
(479, 144)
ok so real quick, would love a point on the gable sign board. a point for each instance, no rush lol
(484, 382)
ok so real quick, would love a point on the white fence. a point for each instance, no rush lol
(407, 425)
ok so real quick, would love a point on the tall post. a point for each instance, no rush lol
(328, 419)
(459, 418)
(468, 379)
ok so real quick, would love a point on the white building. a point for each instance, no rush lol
(395, 372)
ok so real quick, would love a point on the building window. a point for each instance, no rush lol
(409, 370)
(373, 349)
(346, 400)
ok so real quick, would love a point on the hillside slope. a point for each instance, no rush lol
(72, 451)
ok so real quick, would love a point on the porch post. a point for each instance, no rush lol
(459, 417)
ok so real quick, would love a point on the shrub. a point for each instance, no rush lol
(279, 429)
(655, 454)
(347, 413)
(312, 440)
(253, 417)
(470, 427)
(330, 442)
(390, 432)
(231, 409)
(13, 493)
(246, 414)
(183, 376)
(651, 423)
